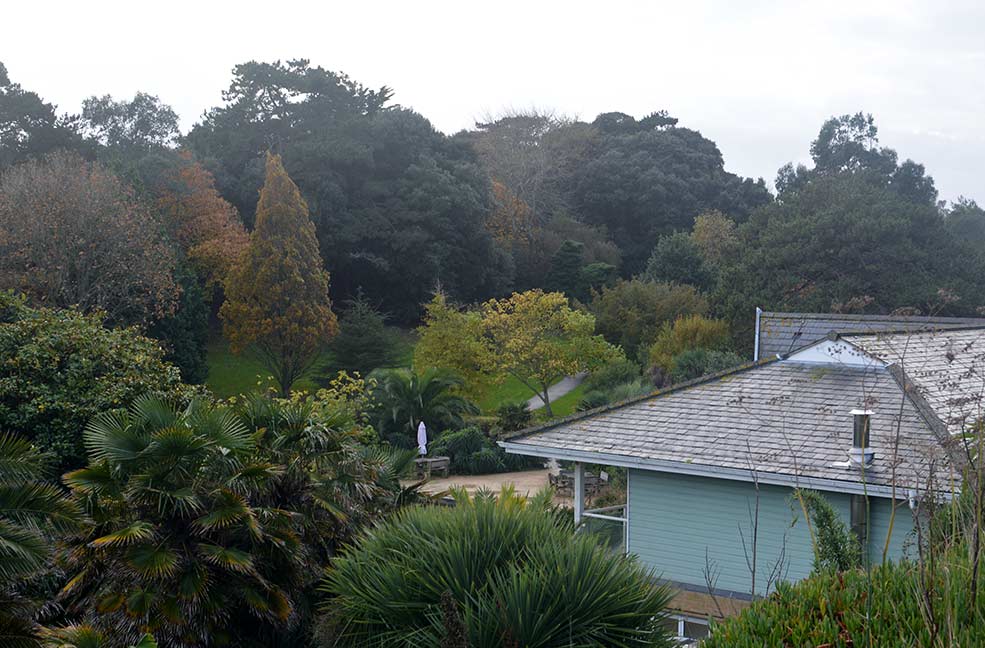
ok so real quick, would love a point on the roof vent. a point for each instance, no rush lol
(861, 453)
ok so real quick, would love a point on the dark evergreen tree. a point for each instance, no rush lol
(565, 275)
(677, 259)
(363, 343)
(185, 333)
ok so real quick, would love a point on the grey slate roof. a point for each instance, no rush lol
(783, 417)
(947, 367)
(782, 333)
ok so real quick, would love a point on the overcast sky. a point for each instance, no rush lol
(758, 78)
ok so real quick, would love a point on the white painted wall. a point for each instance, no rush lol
(835, 352)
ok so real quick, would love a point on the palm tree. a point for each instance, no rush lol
(405, 398)
(334, 482)
(182, 545)
(31, 510)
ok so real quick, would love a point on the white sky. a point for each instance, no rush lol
(756, 77)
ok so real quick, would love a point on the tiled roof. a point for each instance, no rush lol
(783, 418)
(782, 333)
(946, 366)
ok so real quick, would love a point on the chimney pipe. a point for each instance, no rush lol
(861, 453)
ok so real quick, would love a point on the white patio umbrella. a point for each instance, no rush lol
(422, 439)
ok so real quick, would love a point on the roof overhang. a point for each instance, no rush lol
(852, 487)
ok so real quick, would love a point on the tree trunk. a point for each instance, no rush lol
(546, 397)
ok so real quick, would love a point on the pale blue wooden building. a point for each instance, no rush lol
(866, 417)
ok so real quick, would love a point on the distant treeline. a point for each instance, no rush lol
(527, 200)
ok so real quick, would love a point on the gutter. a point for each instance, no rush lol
(700, 470)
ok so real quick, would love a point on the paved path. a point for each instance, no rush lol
(557, 390)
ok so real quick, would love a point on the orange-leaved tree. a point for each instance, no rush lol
(204, 224)
(277, 297)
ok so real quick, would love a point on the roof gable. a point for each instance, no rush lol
(783, 333)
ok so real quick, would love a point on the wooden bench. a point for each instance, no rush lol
(428, 465)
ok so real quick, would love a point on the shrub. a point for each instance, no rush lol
(516, 573)
(630, 313)
(615, 373)
(512, 417)
(695, 363)
(59, 368)
(691, 332)
(884, 607)
(614, 394)
(472, 452)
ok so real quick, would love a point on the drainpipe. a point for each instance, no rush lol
(755, 352)
(579, 492)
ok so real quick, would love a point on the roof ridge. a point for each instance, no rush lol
(938, 428)
(926, 331)
(746, 366)
(871, 317)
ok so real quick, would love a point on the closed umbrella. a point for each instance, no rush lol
(422, 439)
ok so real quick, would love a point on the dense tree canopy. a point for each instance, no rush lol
(843, 238)
(398, 207)
(651, 178)
(30, 127)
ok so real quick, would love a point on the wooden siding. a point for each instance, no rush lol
(675, 521)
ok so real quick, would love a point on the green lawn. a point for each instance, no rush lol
(230, 375)
(512, 390)
(569, 402)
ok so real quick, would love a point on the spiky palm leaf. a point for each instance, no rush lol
(30, 512)
(179, 537)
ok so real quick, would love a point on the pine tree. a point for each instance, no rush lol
(565, 273)
(277, 298)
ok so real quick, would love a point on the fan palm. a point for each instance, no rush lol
(30, 511)
(182, 543)
(334, 482)
(405, 398)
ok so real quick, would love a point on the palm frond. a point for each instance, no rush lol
(20, 461)
(22, 550)
(153, 560)
(226, 557)
(97, 479)
(39, 505)
(112, 436)
(228, 508)
(139, 531)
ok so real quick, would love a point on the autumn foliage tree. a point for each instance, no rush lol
(277, 297)
(535, 337)
(73, 234)
(204, 225)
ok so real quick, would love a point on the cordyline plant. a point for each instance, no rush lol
(494, 571)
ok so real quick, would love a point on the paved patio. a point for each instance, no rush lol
(526, 482)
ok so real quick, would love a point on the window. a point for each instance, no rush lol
(689, 630)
